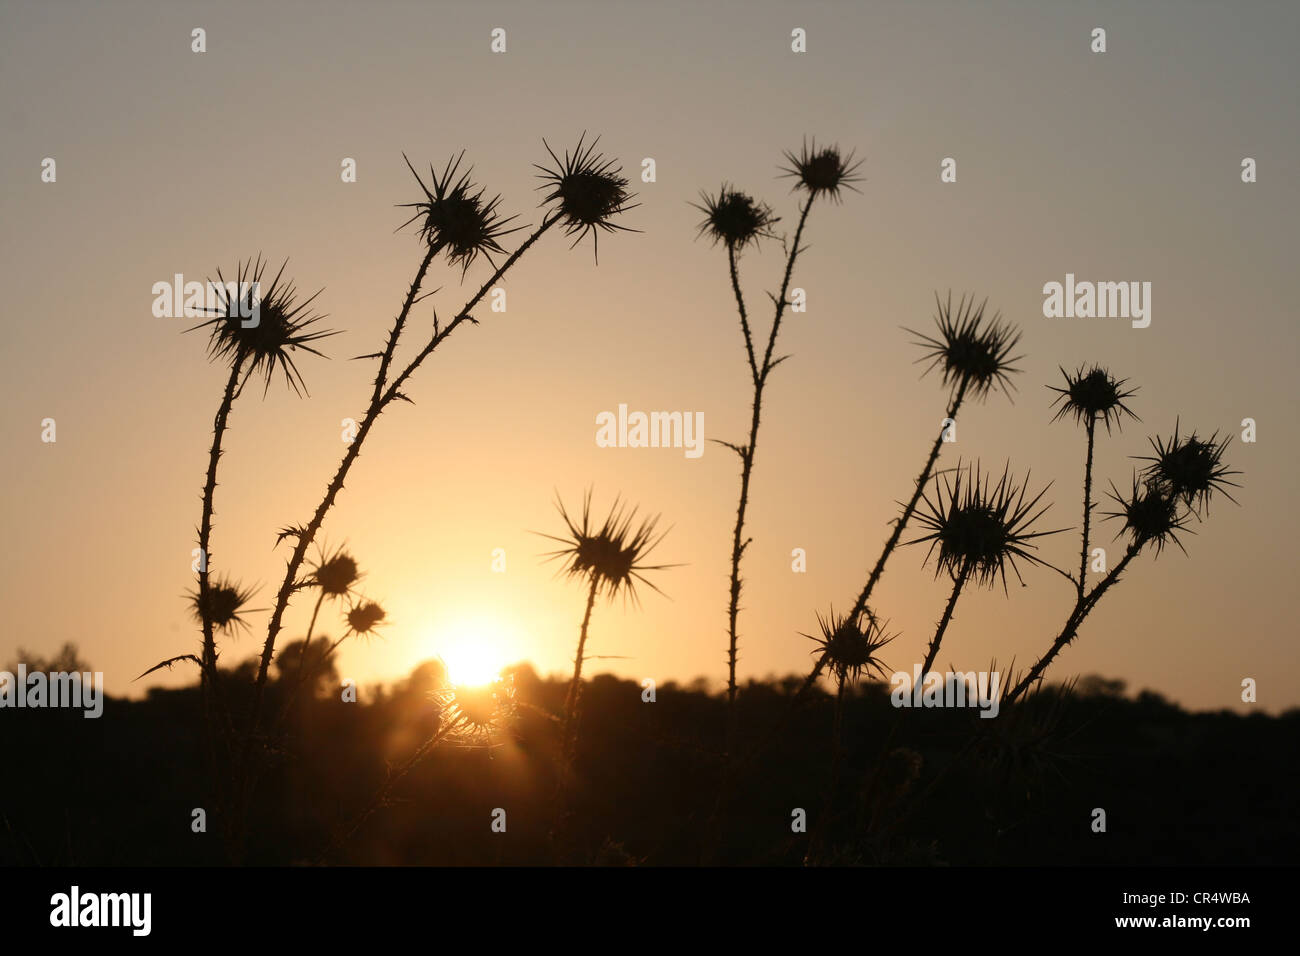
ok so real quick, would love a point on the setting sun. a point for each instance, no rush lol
(474, 651)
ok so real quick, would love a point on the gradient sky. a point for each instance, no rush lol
(1122, 166)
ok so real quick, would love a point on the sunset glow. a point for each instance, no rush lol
(474, 650)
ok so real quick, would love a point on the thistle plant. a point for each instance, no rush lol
(1089, 396)
(254, 332)
(585, 193)
(610, 558)
(738, 221)
(977, 529)
(1184, 474)
(852, 648)
(975, 355)
(456, 219)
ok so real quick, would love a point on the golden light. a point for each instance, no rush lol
(474, 651)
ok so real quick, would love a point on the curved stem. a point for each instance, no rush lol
(922, 480)
(379, 401)
(744, 314)
(760, 374)
(1087, 505)
(575, 686)
(944, 621)
(205, 523)
(1072, 624)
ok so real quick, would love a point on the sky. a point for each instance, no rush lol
(1115, 166)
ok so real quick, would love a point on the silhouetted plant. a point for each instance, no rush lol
(1186, 472)
(974, 353)
(255, 332)
(608, 557)
(585, 192)
(737, 220)
(979, 529)
(1089, 396)
(852, 648)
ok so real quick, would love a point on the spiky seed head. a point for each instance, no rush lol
(851, 645)
(822, 171)
(734, 218)
(335, 573)
(613, 554)
(1091, 394)
(475, 715)
(1191, 468)
(587, 190)
(455, 216)
(261, 326)
(1151, 513)
(364, 618)
(979, 528)
(222, 605)
(972, 350)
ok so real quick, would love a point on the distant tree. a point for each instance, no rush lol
(320, 670)
(67, 660)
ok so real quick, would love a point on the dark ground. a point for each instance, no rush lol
(915, 787)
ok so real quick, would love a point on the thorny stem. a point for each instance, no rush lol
(811, 680)
(922, 480)
(575, 686)
(744, 314)
(760, 374)
(1072, 624)
(933, 652)
(205, 523)
(208, 667)
(1087, 505)
(381, 399)
(568, 727)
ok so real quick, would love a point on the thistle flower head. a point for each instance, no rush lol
(973, 352)
(822, 171)
(261, 326)
(335, 573)
(851, 645)
(1151, 514)
(981, 527)
(1093, 394)
(456, 217)
(222, 606)
(1191, 469)
(613, 554)
(587, 189)
(364, 619)
(474, 715)
(734, 218)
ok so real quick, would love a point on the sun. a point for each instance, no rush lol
(474, 651)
